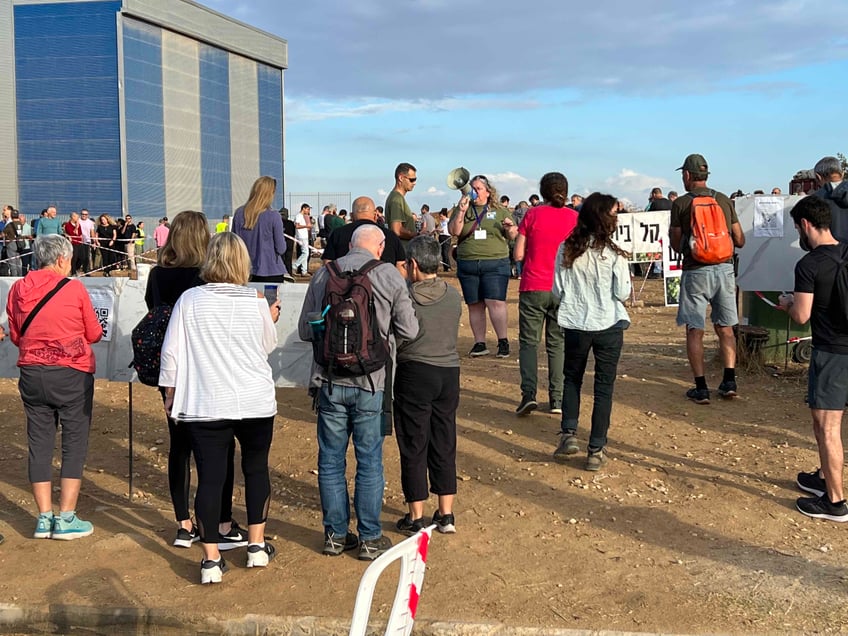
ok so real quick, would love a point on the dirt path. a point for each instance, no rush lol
(690, 527)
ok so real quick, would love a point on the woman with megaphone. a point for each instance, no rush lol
(483, 229)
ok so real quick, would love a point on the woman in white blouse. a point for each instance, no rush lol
(592, 281)
(218, 383)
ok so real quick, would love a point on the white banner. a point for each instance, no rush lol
(642, 234)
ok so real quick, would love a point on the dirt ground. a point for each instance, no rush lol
(690, 527)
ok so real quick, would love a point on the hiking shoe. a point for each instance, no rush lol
(595, 460)
(503, 348)
(555, 407)
(235, 538)
(567, 446)
(527, 405)
(479, 349)
(185, 538)
(43, 526)
(408, 526)
(212, 571)
(727, 389)
(335, 544)
(811, 482)
(373, 548)
(69, 529)
(698, 396)
(821, 508)
(258, 556)
(445, 523)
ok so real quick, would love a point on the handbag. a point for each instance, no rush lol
(43, 302)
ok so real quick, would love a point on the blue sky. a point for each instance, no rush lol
(613, 94)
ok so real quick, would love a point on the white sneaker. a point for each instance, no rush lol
(258, 556)
(212, 571)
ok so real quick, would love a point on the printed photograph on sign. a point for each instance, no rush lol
(672, 290)
(768, 217)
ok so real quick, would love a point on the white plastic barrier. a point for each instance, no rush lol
(119, 303)
(412, 553)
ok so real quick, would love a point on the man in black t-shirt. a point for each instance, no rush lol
(363, 212)
(816, 299)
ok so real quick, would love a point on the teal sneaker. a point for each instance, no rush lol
(70, 529)
(43, 526)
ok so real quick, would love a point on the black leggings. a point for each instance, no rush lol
(179, 472)
(211, 442)
(426, 399)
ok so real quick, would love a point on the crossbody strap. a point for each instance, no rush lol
(43, 302)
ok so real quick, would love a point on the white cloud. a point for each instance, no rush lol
(382, 192)
(435, 191)
(633, 186)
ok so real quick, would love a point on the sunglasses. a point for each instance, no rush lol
(412, 179)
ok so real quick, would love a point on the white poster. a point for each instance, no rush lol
(623, 236)
(103, 299)
(768, 217)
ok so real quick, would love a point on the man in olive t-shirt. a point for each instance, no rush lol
(398, 214)
(702, 284)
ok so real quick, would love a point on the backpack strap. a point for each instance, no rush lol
(43, 302)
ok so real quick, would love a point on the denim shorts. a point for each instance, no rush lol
(713, 285)
(827, 383)
(483, 280)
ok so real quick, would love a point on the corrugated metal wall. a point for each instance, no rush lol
(67, 106)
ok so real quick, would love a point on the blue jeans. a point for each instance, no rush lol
(357, 412)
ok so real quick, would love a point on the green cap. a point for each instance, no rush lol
(696, 164)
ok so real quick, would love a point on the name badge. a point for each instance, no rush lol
(491, 215)
(479, 235)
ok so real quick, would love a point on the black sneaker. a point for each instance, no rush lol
(479, 349)
(185, 537)
(503, 348)
(235, 538)
(698, 396)
(408, 526)
(527, 405)
(811, 482)
(373, 548)
(821, 508)
(334, 544)
(445, 523)
(567, 446)
(212, 571)
(259, 556)
(727, 389)
(555, 407)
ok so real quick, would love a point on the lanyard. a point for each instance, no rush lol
(483, 211)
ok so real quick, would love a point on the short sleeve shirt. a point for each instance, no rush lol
(495, 244)
(338, 243)
(815, 274)
(681, 217)
(397, 209)
(544, 229)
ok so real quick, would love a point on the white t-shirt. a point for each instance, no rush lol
(87, 226)
(302, 234)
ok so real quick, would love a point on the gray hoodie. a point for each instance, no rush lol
(837, 199)
(438, 307)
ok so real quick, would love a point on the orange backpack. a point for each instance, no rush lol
(710, 241)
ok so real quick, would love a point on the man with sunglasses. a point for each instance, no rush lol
(399, 216)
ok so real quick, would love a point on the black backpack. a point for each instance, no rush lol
(840, 288)
(147, 339)
(352, 345)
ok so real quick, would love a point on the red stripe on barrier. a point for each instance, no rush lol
(413, 600)
(423, 546)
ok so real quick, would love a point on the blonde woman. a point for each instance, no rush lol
(218, 383)
(261, 229)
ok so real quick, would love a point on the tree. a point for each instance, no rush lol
(844, 161)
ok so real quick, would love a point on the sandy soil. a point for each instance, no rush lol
(690, 527)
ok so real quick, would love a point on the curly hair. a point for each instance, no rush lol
(596, 223)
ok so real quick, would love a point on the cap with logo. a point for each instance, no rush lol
(696, 164)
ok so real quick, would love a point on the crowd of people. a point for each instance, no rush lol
(384, 328)
(105, 245)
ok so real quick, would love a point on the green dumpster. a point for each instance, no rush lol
(758, 312)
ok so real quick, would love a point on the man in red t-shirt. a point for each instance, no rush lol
(73, 230)
(541, 232)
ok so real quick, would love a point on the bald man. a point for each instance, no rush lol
(353, 405)
(363, 212)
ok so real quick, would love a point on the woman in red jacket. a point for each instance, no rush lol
(57, 379)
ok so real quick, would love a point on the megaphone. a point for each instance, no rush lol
(458, 179)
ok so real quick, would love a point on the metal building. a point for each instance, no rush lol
(141, 106)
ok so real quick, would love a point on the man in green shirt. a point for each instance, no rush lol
(398, 215)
